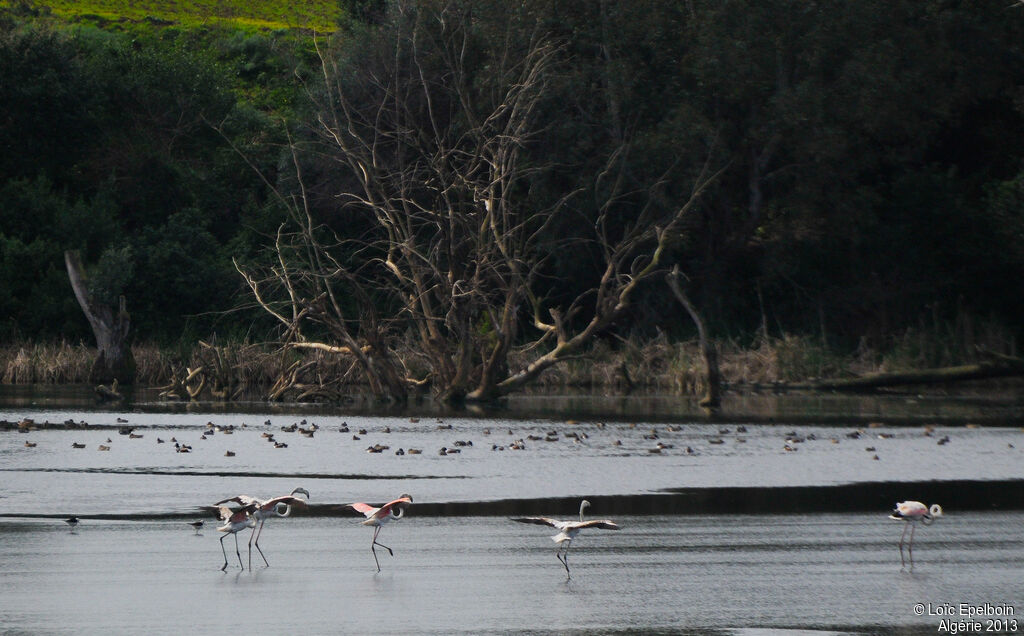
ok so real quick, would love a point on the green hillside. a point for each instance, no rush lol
(314, 15)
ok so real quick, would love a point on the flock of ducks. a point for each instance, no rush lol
(792, 441)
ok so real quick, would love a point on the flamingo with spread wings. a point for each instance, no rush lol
(377, 517)
(568, 531)
(234, 522)
(263, 510)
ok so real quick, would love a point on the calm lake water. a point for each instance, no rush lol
(486, 575)
(133, 564)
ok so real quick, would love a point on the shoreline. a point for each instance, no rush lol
(999, 495)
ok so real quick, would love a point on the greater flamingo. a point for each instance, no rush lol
(234, 522)
(568, 531)
(278, 506)
(910, 512)
(377, 517)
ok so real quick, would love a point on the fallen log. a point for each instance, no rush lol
(994, 366)
(108, 393)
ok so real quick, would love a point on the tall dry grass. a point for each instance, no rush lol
(48, 363)
(608, 366)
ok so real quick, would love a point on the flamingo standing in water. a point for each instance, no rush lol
(234, 522)
(278, 506)
(910, 512)
(568, 531)
(377, 517)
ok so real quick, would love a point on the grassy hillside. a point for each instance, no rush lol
(315, 15)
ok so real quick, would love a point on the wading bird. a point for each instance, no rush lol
(278, 506)
(568, 531)
(379, 516)
(72, 522)
(234, 522)
(196, 525)
(910, 512)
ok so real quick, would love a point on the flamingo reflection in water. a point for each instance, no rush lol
(568, 531)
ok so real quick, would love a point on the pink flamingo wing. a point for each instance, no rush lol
(242, 500)
(385, 510)
(541, 521)
(286, 499)
(604, 524)
(912, 509)
(366, 509)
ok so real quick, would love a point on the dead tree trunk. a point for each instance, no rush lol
(111, 328)
(995, 366)
(712, 377)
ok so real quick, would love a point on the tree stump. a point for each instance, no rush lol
(111, 328)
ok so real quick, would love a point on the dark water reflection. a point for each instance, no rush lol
(992, 408)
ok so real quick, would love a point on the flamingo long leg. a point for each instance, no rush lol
(563, 556)
(225, 553)
(374, 549)
(902, 537)
(238, 552)
(376, 531)
(390, 551)
(256, 534)
(910, 548)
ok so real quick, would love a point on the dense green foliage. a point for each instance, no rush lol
(874, 157)
(319, 15)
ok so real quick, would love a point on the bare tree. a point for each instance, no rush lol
(434, 225)
(712, 375)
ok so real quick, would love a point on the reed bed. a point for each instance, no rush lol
(609, 365)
